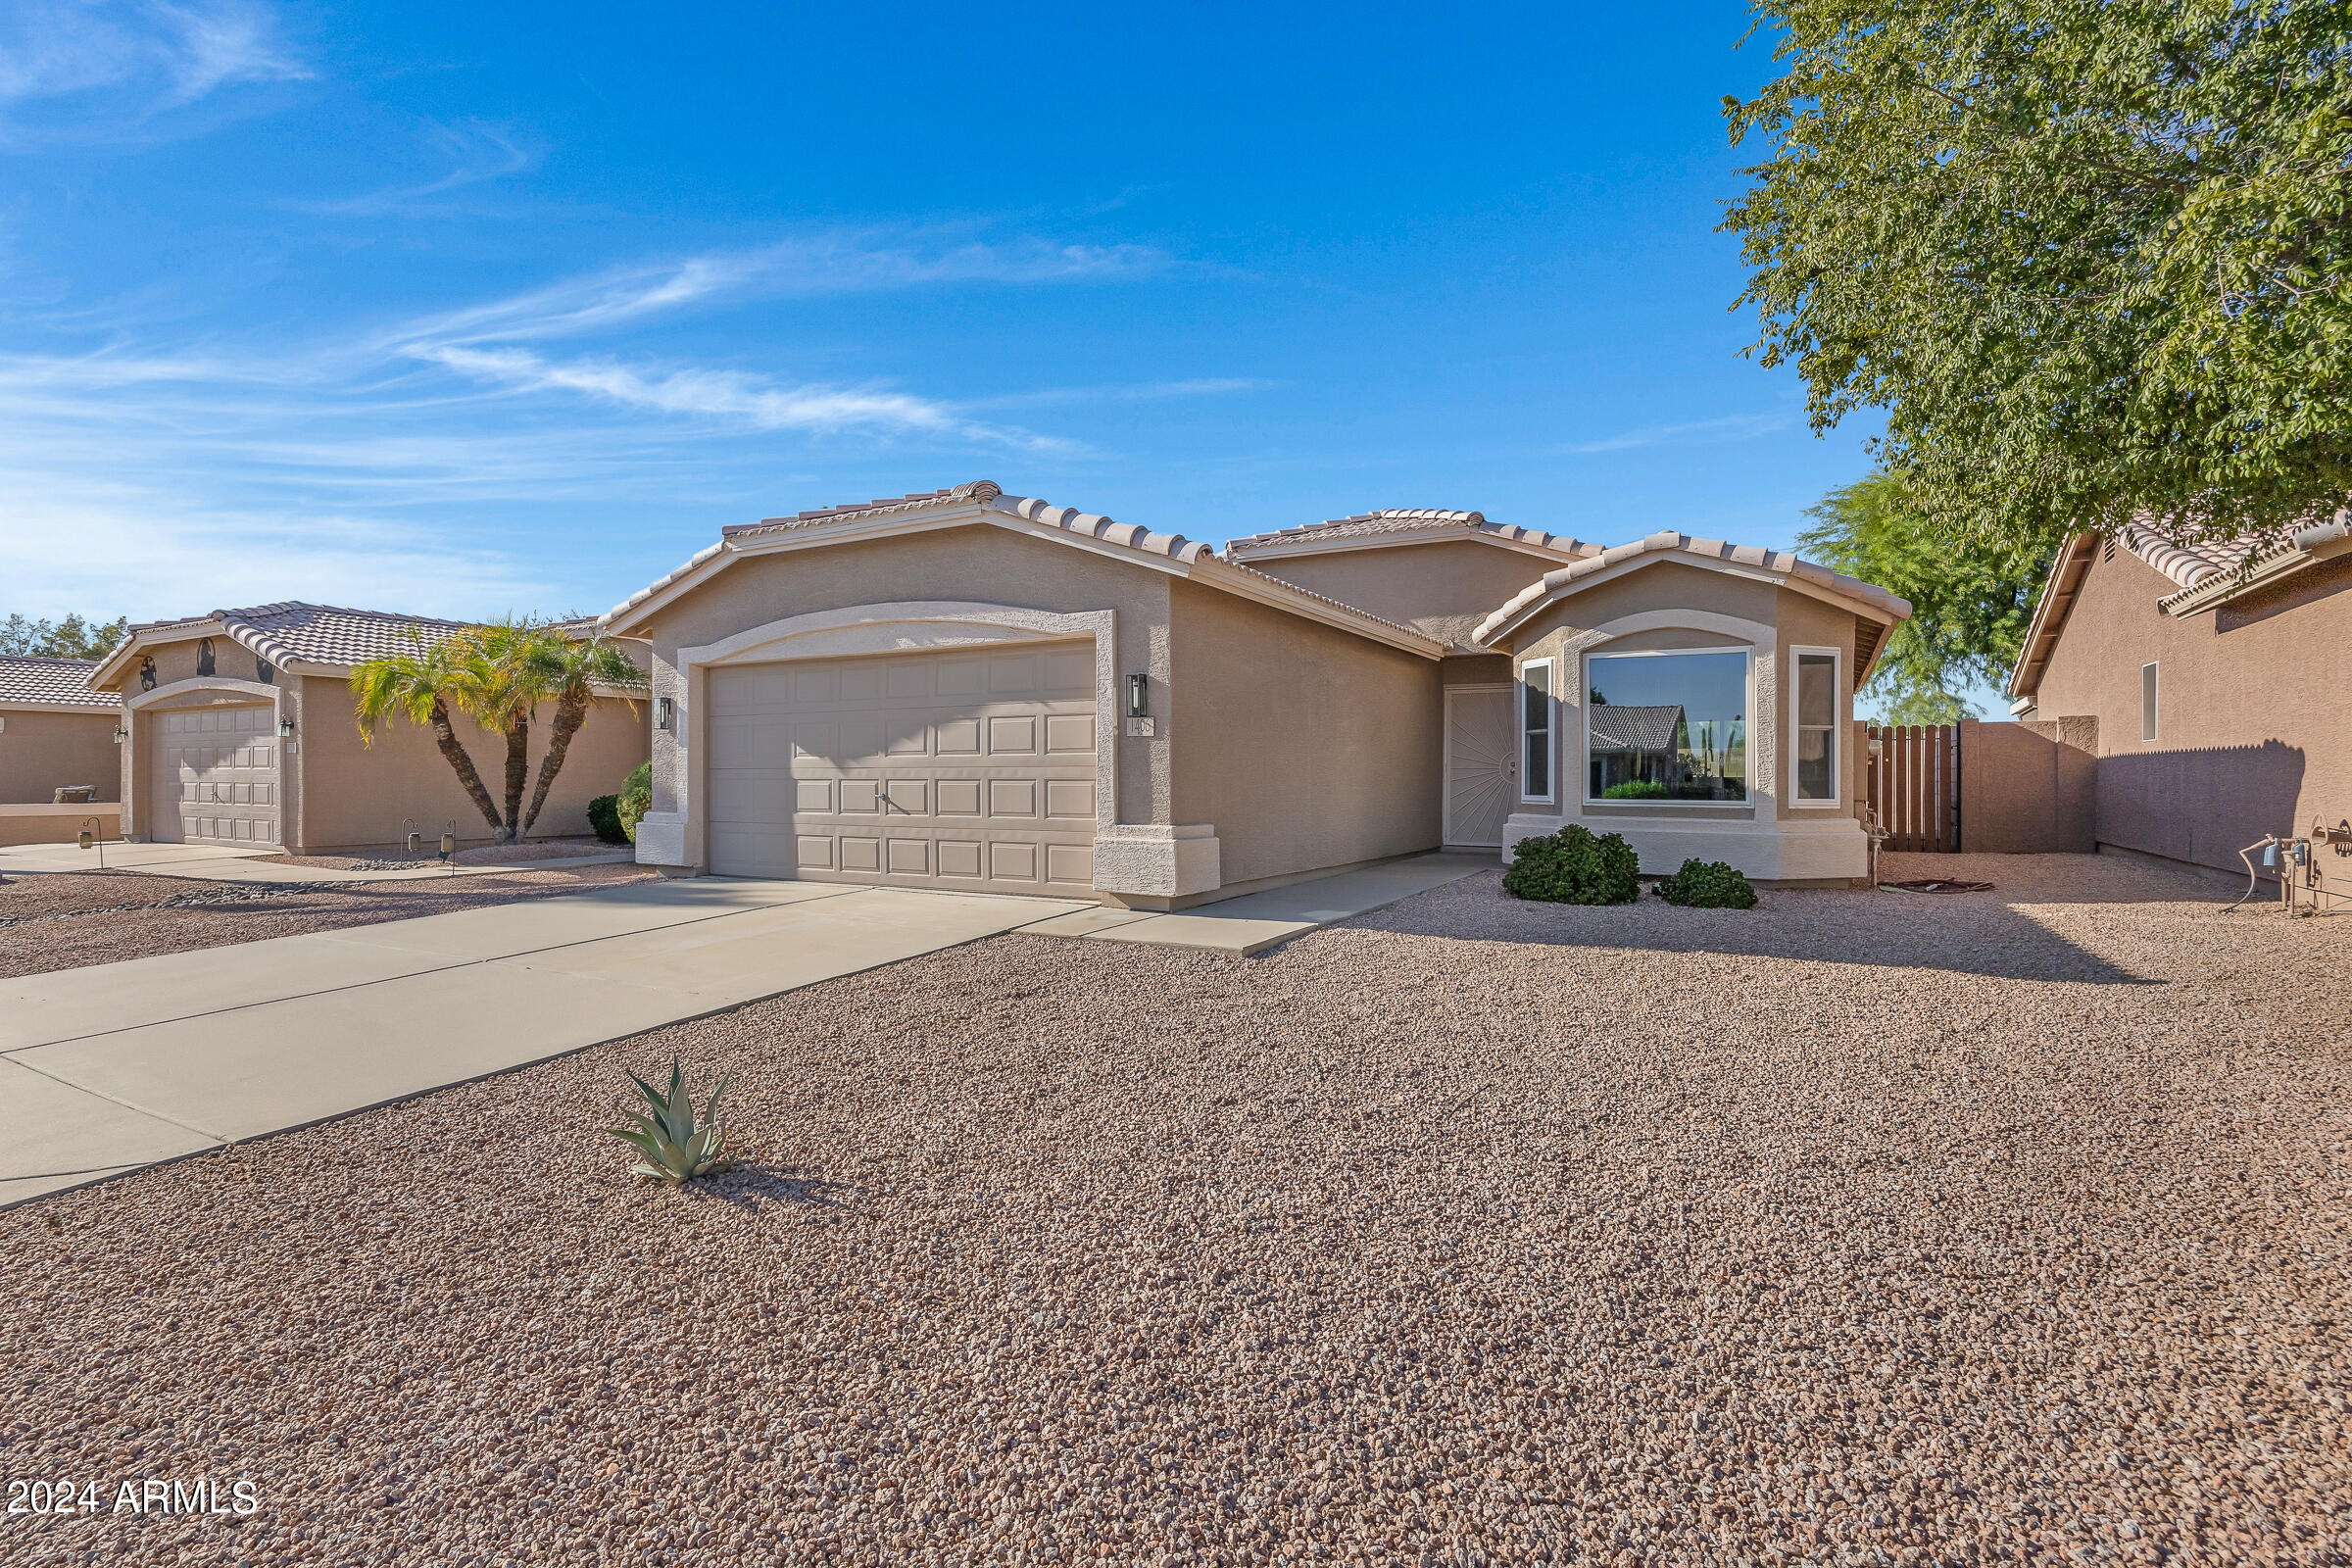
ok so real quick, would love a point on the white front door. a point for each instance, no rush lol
(1482, 763)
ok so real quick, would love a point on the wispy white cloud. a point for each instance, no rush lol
(394, 465)
(840, 262)
(94, 71)
(476, 153)
(136, 550)
(1207, 386)
(1731, 427)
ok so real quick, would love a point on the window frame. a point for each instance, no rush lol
(1549, 733)
(1797, 727)
(2151, 703)
(1584, 786)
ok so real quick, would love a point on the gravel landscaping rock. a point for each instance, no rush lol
(70, 919)
(1855, 1228)
(479, 854)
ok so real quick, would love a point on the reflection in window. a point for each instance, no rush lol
(1535, 729)
(1667, 728)
(1817, 726)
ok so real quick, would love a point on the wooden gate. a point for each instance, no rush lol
(1915, 786)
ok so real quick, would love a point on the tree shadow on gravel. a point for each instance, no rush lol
(757, 1187)
(1962, 933)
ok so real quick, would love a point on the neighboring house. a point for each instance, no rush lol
(2216, 681)
(240, 730)
(54, 732)
(966, 689)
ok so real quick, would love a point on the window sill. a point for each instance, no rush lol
(1719, 810)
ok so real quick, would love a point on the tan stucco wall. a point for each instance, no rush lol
(979, 564)
(1476, 670)
(39, 751)
(1304, 746)
(2254, 724)
(1442, 589)
(356, 794)
(2029, 787)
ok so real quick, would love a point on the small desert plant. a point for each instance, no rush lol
(1572, 866)
(1707, 885)
(636, 799)
(1635, 789)
(604, 816)
(675, 1149)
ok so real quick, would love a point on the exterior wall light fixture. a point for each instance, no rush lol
(665, 714)
(1139, 691)
(285, 727)
(120, 735)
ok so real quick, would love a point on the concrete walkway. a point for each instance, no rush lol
(1256, 921)
(221, 863)
(108, 1068)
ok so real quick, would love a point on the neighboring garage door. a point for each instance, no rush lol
(973, 770)
(214, 776)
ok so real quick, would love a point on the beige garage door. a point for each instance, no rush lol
(214, 776)
(973, 770)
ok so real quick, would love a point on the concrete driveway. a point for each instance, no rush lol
(108, 1068)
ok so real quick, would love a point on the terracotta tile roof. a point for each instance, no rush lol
(293, 633)
(2201, 564)
(1632, 727)
(52, 680)
(1405, 520)
(1779, 561)
(982, 493)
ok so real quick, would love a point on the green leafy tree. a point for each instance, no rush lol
(70, 638)
(1971, 599)
(2090, 258)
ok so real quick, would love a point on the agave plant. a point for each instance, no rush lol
(674, 1147)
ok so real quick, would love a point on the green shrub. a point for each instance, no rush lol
(1707, 885)
(636, 799)
(604, 816)
(1572, 866)
(1635, 789)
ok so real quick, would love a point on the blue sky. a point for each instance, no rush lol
(509, 308)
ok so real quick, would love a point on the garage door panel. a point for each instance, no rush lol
(213, 775)
(957, 769)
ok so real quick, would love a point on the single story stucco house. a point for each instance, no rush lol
(54, 732)
(239, 729)
(2208, 680)
(966, 689)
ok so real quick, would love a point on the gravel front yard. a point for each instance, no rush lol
(68, 919)
(1861, 1228)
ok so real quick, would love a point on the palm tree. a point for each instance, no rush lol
(504, 673)
(574, 669)
(422, 687)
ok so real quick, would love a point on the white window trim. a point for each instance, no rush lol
(1551, 732)
(1797, 729)
(2151, 715)
(1585, 783)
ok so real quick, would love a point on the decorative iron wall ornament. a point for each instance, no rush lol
(264, 672)
(204, 658)
(146, 673)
